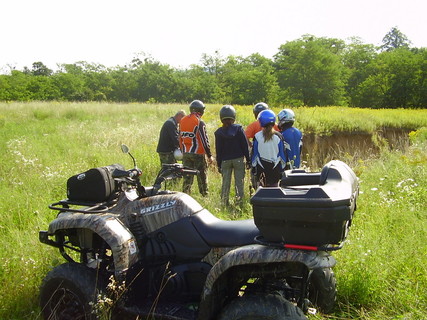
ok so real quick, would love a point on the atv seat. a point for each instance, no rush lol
(224, 233)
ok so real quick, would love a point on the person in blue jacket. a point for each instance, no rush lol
(292, 137)
(231, 151)
(268, 157)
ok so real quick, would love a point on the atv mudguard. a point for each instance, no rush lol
(258, 256)
(109, 228)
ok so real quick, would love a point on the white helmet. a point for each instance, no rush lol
(177, 154)
(285, 116)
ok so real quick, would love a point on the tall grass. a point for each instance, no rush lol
(381, 271)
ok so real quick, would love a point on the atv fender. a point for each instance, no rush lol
(109, 228)
(259, 256)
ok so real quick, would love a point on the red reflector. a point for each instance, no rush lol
(300, 247)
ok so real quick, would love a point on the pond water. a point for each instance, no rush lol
(350, 147)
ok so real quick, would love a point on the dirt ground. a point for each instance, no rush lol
(350, 146)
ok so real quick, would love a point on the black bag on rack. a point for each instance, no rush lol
(95, 185)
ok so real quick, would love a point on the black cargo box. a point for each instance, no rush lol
(95, 185)
(309, 208)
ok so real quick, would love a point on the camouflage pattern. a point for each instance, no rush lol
(109, 228)
(198, 162)
(158, 211)
(166, 157)
(215, 254)
(151, 213)
(256, 254)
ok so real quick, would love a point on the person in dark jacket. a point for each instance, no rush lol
(169, 138)
(231, 150)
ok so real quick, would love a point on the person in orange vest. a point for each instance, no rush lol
(194, 143)
(253, 128)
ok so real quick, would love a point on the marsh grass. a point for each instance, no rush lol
(381, 271)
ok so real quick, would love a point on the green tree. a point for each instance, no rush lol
(91, 82)
(38, 69)
(99, 82)
(123, 85)
(5, 88)
(154, 82)
(249, 80)
(421, 74)
(196, 83)
(71, 86)
(74, 87)
(395, 39)
(394, 81)
(17, 86)
(213, 64)
(356, 57)
(43, 88)
(310, 72)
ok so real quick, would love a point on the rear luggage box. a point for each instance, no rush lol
(93, 186)
(312, 209)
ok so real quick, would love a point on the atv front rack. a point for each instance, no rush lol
(82, 207)
(328, 247)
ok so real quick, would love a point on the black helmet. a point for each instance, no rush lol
(227, 112)
(260, 106)
(197, 106)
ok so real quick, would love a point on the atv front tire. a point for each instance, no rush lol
(261, 307)
(68, 292)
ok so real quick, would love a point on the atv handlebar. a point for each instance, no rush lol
(190, 171)
(171, 171)
(178, 168)
(132, 173)
(167, 172)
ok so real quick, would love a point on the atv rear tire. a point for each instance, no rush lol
(323, 289)
(261, 307)
(68, 291)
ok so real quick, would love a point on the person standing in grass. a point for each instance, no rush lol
(292, 137)
(231, 151)
(268, 157)
(168, 138)
(255, 127)
(250, 131)
(195, 146)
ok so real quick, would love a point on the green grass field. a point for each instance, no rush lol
(381, 271)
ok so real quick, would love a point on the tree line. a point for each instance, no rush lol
(309, 71)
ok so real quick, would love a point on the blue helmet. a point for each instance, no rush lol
(266, 117)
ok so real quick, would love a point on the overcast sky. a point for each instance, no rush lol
(178, 32)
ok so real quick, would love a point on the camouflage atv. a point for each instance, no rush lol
(170, 258)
